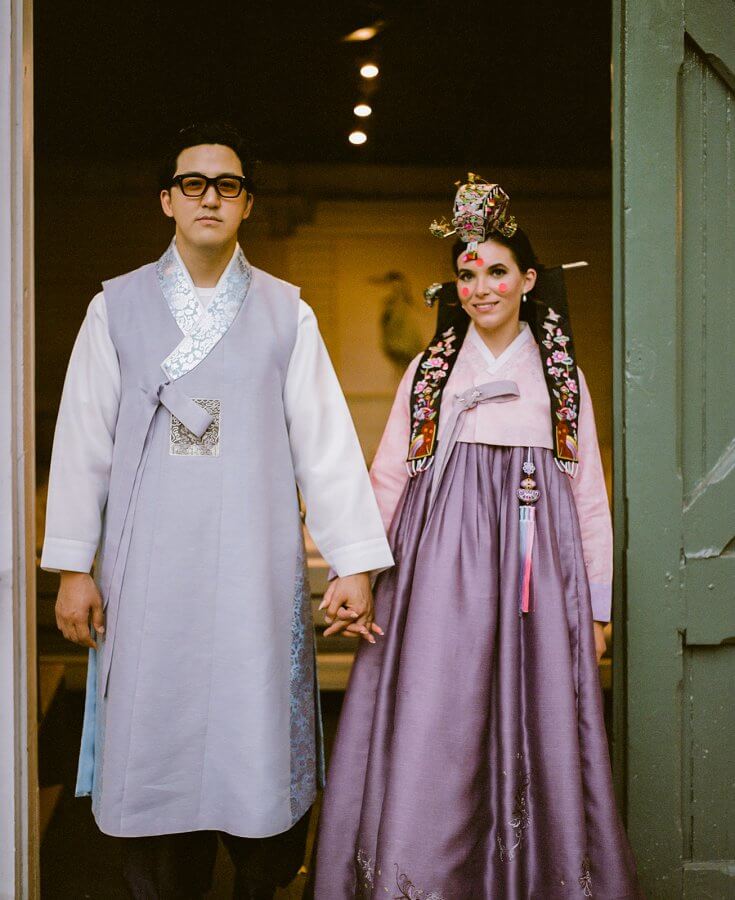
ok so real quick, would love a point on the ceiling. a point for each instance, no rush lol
(511, 83)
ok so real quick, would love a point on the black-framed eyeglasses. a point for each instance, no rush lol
(194, 184)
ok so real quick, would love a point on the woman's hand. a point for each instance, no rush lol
(600, 642)
(348, 607)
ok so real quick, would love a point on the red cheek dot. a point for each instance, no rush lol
(465, 292)
(502, 287)
(479, 262)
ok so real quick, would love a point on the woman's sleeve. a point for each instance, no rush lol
(593, 509)
(388, 472)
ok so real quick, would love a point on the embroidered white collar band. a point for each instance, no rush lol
(201, 329)
(187, 318)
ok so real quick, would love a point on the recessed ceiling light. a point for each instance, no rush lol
(361, 34)
(357, 137)
(369, 70)
(363, 110)
(365, 32)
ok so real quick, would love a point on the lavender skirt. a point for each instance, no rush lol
(471, 759)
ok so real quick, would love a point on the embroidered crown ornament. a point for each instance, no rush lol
(479, 209)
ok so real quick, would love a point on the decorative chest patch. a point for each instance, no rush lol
(185, 443)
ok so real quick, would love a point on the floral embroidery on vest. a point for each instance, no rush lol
(202, 330)
(432, 372)
(560, 370)
(184, 443)
(302, 696)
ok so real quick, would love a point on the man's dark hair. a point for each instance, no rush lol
(207, 133)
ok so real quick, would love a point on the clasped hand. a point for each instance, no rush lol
(348, 607)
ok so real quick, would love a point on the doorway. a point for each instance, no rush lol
(331, 215)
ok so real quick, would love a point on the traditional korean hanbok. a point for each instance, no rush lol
(186, 425)
(471, 759)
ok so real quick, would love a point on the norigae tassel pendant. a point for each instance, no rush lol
(528, 495)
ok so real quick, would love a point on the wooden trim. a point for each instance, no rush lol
(28, 318)
(19, 830)
(648, 218)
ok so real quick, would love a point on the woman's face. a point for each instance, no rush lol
(490, 287)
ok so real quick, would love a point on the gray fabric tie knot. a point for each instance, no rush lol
(190, 414)
(497, 391)
(491, 391)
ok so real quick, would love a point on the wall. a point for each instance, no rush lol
(333, 231)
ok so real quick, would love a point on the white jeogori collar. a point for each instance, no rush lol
(494, 363)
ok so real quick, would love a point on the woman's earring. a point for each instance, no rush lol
(525, 298)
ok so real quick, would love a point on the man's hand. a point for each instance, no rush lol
(600, 642)
(79, 600)
(348, 607)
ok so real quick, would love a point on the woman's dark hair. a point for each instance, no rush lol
(207, 133)
(519, 245)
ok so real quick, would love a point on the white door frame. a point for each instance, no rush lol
(19, 843)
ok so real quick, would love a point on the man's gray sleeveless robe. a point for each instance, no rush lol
(201, 703)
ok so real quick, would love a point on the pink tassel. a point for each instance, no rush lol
(528, 495)
(528, 531)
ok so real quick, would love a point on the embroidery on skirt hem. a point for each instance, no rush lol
(585, 879)
(409, 891)
(366, 873)
(518, 821)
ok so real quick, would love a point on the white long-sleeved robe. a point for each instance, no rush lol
(341, 513)
(213, 677)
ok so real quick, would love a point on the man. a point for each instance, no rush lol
(199, 395)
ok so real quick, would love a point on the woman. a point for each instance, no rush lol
(471, 759)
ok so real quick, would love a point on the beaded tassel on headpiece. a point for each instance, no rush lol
(479, 209)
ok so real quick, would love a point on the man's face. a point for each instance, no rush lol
(209, 221)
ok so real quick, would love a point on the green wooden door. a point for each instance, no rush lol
(674, 161)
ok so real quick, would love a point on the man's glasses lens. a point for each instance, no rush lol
(228, 187)
(196, 185)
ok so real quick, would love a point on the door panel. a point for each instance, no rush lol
(676, 293)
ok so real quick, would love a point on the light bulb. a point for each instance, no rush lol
(369, 70)
(361, 34)
(357, 137)
(363, 110)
